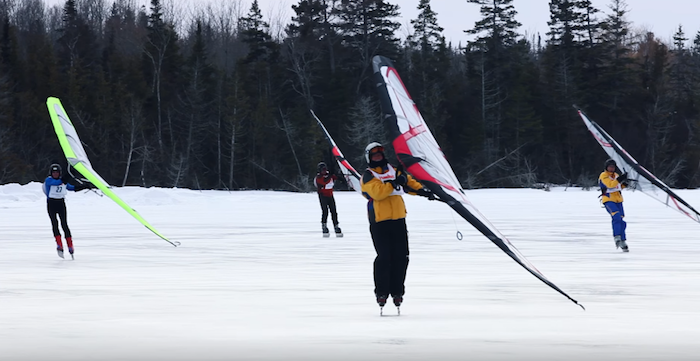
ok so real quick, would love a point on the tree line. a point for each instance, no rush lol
(215, 97)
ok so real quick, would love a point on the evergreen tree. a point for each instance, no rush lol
(569, 53)
(494, 44)
(367, 30)
(617, 78)
(680, 73)
(256, 34)
(303, 47)
(162, 66)
(428, 60)
(497, 26)
(196, 107)
(308, 22)
(259, 80)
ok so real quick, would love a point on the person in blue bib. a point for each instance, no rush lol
(56, 189)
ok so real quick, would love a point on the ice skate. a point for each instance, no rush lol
(618, 240)
(338, 231)
(623, 245)
(381, 301)
(397, 302)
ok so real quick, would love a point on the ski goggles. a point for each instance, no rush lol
(376, 150)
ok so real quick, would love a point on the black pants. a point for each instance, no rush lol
(57, 207)
(326, 204)
(390, 240)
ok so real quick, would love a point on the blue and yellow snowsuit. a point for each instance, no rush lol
(612, 200)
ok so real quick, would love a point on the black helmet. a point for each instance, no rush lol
(55, 168)
(610, 162)
(321, 165)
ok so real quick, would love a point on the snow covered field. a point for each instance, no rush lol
(254, 280)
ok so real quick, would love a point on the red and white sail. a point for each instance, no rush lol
(349, 172)
(421, 156)
(640, 178)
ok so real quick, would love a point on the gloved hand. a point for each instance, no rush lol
(401, 179)
(86, 185)
(622, 178)
(427, 193)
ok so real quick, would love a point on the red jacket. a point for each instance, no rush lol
(324, 184)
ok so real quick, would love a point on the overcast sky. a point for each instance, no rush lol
(660, 16)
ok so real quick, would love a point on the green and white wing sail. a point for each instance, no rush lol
(77, 158)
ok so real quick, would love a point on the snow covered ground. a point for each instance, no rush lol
(254, 280)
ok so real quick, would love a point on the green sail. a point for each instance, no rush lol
(77, 158)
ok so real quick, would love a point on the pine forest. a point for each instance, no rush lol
(217, 96)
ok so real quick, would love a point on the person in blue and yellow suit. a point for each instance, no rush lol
(383, 184)
(611, 184)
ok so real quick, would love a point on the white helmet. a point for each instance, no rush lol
(371, 146)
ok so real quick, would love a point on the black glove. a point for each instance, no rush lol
(86, 185)
(427, 193)
(401, 179)
(622, 178)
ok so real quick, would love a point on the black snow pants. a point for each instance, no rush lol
(328, 203)
(57, 207)
(390, 240)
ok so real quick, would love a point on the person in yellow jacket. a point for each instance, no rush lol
(382, 185)
(611, 184)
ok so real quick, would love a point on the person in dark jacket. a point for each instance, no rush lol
(56, 189)
(324, 182)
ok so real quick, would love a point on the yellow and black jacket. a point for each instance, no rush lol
(385, 202)
(611, 187)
